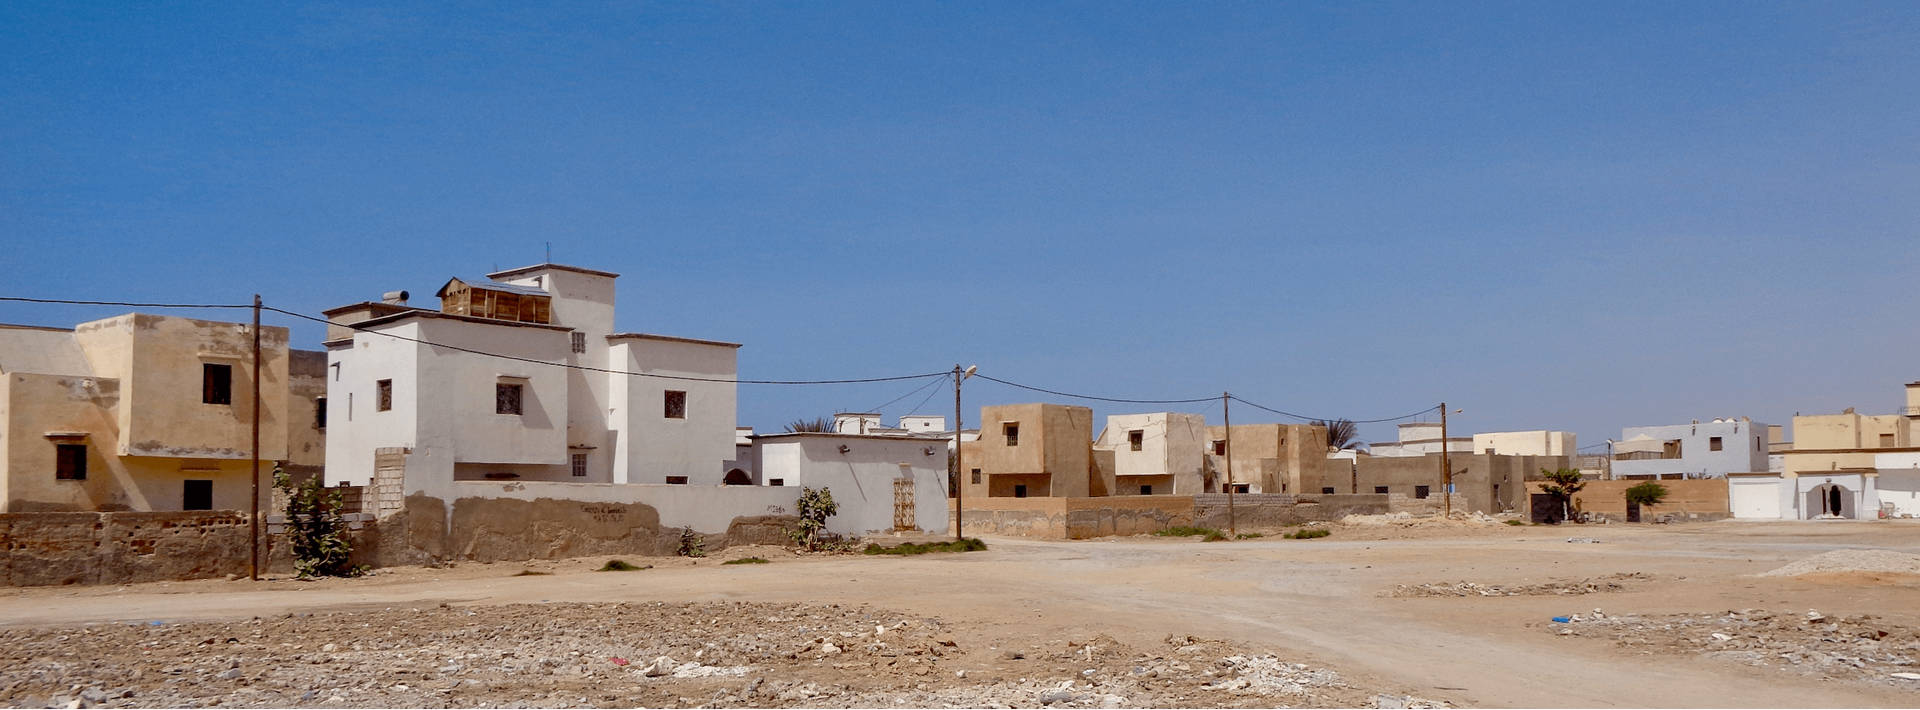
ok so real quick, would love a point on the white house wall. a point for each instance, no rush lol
(1755, 497)
(457, 393)
(649, 446)
(1743, 448)
(861, 479)
(355, 428)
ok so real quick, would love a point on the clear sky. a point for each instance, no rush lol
(1554, 215)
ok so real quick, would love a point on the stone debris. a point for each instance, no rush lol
(1862, 647)
(1593, 585)
(1885, 561)
(713, 654)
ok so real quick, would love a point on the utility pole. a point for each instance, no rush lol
(959, 484)
(1226, 418)
(253, 519)
(1446, 464)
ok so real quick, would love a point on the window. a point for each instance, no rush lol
(1713, 443)
(976, 476)
(776, 481)
(676, 404)
(1380, 489)
(319, 412)
(579, 341)
(1012, 430)
(382, 395)
(1219, 447)
(1146, 490)
(1019, 491)
(1421, 491)
(1242, 487)
(1886, 440)
(677, 480)
(216, 383)
(579, 464)
(1135, 438)
(70, 462)
(196, 495)
(1326, 491)
(506, 398)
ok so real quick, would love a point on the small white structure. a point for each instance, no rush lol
(1161, 453)
(1526, 443)
(881, 483)
(1420, 439)
(1702, 449)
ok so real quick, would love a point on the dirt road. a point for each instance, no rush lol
(1328, 603)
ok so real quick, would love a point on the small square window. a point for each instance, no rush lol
(1019, 491)
(1242, 487)
(579, 342)
(1135, 438)
(1326, 491)
(1886, 440)
(1713, 444)
(1380, 489)
(216, 383)
(776, 481)
(579, 464)
(1146, 490)
(976, 476)
(196, 495)
(1421, 491)
(507, 398)
(676, 404)
(1219, 447)
(382, 395)
(1012, 430)
(70, 462)
(677, 480)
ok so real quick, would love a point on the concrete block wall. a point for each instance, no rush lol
(121, 548)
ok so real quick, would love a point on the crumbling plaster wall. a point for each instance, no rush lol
(39, 549)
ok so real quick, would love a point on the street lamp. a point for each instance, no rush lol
(959, 485)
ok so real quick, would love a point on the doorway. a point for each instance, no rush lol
(197, 495)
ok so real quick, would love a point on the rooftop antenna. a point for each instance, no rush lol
(549, 253)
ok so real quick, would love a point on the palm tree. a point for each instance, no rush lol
(815, 425)
(1341, 433)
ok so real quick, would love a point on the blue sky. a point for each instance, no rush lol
(1554, 215)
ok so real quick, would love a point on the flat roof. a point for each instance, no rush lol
(489, 284)
(424, 313)
(375, 305)
(669, 338)
(561, 267)
(838, 435)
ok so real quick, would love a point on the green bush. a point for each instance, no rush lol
(971, 544)
(1209, 534)
(315, 528)
(814, 509)
(1248, 536)
(1306, 534)
(621, 566)
(746, 561)
(691, 544)
(1648, 493)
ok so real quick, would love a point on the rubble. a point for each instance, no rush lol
(1861, 647)
(1871, 560)
(1594, 585)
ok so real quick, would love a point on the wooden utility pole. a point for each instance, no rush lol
(1446, 464)
(253, 518)
(1226, 449)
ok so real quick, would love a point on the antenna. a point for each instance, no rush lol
(549, 259)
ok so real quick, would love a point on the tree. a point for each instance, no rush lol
(315, 528)
(814, 509)
(1648, 493)
(1562, 484)
(1341, 433)
(815, 425)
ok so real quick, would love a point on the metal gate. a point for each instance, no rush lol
(903, 504)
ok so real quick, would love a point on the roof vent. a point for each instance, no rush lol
(398, 298)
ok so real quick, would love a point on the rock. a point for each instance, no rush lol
(660, 666)
(1907, 676)
(329, 648)
(93, 696)
(1722, 637)
(1053, 697)
(1393, 702)
(229, 674)
(960, 674)
(829, 649)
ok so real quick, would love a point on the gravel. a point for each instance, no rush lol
(1851, 561)
(1863, 647)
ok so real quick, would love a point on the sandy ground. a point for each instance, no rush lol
(1350, 604)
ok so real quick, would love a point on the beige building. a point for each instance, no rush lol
(150, 413)
(1267, 458)
(1526, 443)
(1160, 453)
(1034, 451)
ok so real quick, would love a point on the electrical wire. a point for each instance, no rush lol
(1092, 397)
(923, 403)
(1328, 419)
(588, 368)
(930, 382)
(130, 304)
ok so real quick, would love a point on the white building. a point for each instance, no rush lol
(1161, 453)
(1526, 443)
(1420, 439)
(881, 483)
(1701, 449)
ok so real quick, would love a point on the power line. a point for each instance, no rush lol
(130, 304)
(609, 371)
(923, 402)
(1092, 397)
(1328, 419)
(930, 382)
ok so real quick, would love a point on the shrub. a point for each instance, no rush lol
(621, 566)
(920, 548)
(1514, 522)
(1648, 493)
(691, 544)
(1306, 534)
(814, 509)
(746, 561)
(531, 573)
(315, 528)
(1561, 485)
(1189, 531)
(1248, 536)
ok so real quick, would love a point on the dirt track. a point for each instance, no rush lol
(1327, 604)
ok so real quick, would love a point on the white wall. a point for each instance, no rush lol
(585, 303)
(455, 392)
(648, 445)
(1743, 448)
(861, 478)
(707, 509)
(354, 427)
(1755, 497)
(1526, 443)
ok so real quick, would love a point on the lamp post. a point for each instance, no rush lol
(959, 485)
(1446, 462)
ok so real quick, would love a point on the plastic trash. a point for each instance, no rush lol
(1562, 619)
(618, 661)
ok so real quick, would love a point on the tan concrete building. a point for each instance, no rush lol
(1034, 451)
(1847, 465)
(1267, 458)
(1159, 453)
(149, 413)
(1526, 443)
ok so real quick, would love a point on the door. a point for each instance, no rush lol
(1543, 508)
(197, 495)
(1633, 512)
(903, 503)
